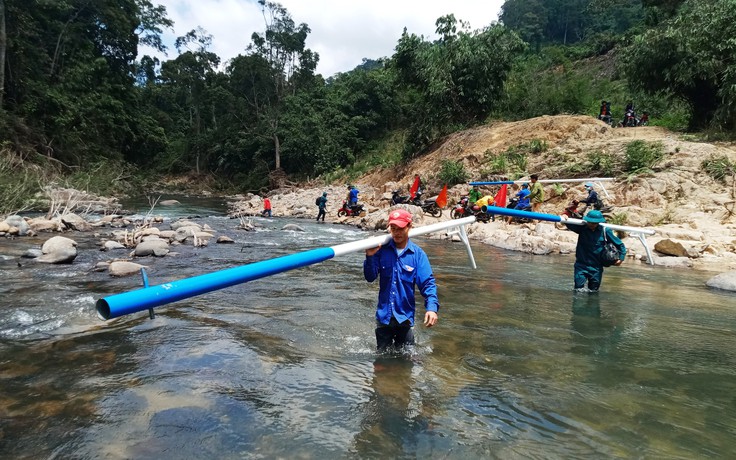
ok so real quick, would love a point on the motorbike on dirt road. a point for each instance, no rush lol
(428, 206)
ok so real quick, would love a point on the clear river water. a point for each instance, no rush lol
(519, 366)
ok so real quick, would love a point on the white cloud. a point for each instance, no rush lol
(343, 31)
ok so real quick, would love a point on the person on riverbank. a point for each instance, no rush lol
(536, 197)
(401, 265)
(474, 195)
(592, 200)
(322, 203)
(591, 241)
(266, 207)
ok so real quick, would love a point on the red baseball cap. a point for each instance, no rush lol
(399, 217)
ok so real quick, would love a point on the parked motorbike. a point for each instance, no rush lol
(398, 198)
(350, 211)
(630, 119)
(431, 208)
(464, 209)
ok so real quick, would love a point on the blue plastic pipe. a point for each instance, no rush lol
(523, 214)
(143, 299)
(154, 296)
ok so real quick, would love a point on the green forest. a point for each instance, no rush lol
(80, 107)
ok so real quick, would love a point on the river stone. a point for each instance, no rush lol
(203, 235)
(169, 203)
(167, 234)
(122, 268)
(725, 281)
(185, 223)
(58, 250)
(678, 248)
(672, 262)
(158, 248)
(112, 245)
(150, 231)
(225, 239)
(182, 233)
(75, 222)
(22, 227)
(40, 224)
(4, 227)
(292, 227)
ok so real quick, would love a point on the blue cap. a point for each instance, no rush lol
(588, 185)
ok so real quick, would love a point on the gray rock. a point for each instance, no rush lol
(185, 223)
(224, 239)
(158, 248)
(112, 245)
(19, 223)
(122, 268)
(169, 203)
(58, 250)
(725, 281)
(75, 222)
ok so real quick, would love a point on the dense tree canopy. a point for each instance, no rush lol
(75, 90)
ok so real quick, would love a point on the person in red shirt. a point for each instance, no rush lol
(266, 207)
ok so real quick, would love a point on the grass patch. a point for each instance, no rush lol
(452, 173)
(718, 167)
(642, 157)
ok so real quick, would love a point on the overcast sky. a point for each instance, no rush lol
(343, 31)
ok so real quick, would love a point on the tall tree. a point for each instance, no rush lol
(290, 63)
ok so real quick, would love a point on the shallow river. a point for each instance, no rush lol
(519, 366)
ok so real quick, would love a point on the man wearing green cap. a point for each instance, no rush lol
(588, 253)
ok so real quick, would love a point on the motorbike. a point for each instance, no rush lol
(350, 211)
(630, 119)
(464, 209)
(512, 205)
(431, 208)
(428, 206)
(575, 212)
(398, 198)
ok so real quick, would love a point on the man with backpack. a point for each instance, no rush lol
(321, 202)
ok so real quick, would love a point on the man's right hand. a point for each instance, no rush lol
(563, 217)
(372, 251)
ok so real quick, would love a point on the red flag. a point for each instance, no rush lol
(500, 199)
(414, 187)
(442, 197)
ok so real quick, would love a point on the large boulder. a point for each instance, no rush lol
(679, 248)
(185, 223)
(58, 250)
(725, 281)
(111, 246)
(40, 224)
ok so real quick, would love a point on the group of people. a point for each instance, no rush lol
(401, 266)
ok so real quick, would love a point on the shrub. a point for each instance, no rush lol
(602, 162)
(643, 156)
(718, 167)
(452, 173)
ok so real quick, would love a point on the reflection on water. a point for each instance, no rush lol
(518, 366)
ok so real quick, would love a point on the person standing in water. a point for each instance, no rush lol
(591, 240)
(401, 266)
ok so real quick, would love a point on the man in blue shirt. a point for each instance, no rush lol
(592, 199)
(401, 265)
(591, 240)
(352, 195)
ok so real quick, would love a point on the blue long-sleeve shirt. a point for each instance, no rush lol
(592, 198)
(590, 245)
(398, 276)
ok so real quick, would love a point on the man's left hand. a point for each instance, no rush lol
(618, 262)
(430, 318)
